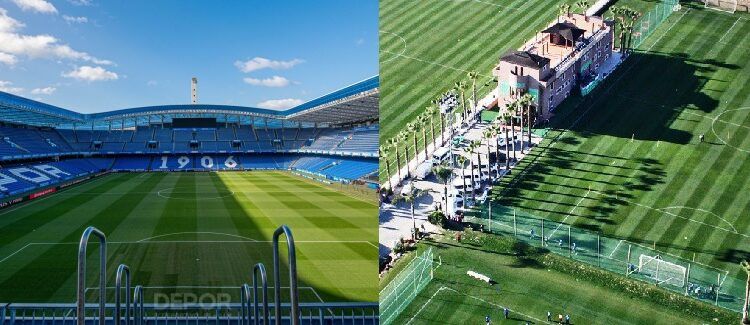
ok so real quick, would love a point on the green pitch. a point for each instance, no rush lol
(527, 289)
(427, 46)
(629, 162)
(195, 233)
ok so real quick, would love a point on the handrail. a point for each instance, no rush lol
(138, 310)
(294, 294)
(81, 299)
(259, 267)
(122, 269)
(244, 304)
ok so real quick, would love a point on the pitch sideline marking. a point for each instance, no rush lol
(470, 296)
(677, 215)
(315, 292)
(433, 63)
(28, 203)
(195, 242)
(616, 247)
(395, 55)
(197, 233)
(569, 214)
(218, 197)
(716, 118)
(16, 252)
(585, 112)
(730, 29)
(680, 207)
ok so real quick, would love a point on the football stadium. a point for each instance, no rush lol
(625, 205)
(204, 213)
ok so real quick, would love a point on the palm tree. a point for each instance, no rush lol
(443, 175)
(395, 143)
(511, 109)
(495, 128)
(461, 161)
(473, 76)
(615, 10)
(403, 137)
(502, 118)
(436, 103)
(459, 88)
(746, 308)
(564, 9)
(413, 129)
(384, 155)
(520, 107)
(488, 135)
(477, 144)
(582, 5)
(633, 15)
(430, 113)
(422, 124)
(528, 101)
(469, 150)
(410, 198)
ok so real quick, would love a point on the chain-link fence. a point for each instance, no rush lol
(637, 261)
(649, 21)
(402, 290)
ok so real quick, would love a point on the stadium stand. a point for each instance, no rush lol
(319, 137)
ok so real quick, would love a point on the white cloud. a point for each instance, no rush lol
(75, 20)
(280, 104)
(87, 73)
(8, 59)
(7, 86)
(43, 91)
(81, 2)
(7, 23)
(37, 46)
(275, 81)
(41, 6)
(258, 63)
(152, 83)
(359, 41)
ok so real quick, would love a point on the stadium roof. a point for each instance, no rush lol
(351, 104)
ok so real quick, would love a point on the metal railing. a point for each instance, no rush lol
(122, 269)
(194, 313)
(309, 314)
(260, 268)
(81, 290)
(293, 291)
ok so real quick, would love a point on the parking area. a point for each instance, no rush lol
(484, 164)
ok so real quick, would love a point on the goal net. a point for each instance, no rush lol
(721, 5)
(402, 290)
(661, 271)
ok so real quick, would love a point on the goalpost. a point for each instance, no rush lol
(729, 6)
(661, 271)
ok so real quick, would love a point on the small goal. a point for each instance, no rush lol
(661, 271)
(729, 6)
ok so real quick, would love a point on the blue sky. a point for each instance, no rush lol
(97, 55)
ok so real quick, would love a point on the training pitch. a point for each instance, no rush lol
(523, 286)
(191, 234)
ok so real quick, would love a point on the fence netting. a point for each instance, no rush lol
(634, 260)
(402, 290)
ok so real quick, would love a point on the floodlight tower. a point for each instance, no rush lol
(194, 91)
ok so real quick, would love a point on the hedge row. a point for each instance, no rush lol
(630, 287)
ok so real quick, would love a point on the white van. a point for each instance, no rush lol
(455, 205)
(479, 176)
(423, 170)
(440, 155)
(458, 186)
